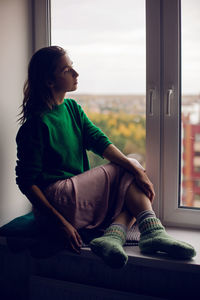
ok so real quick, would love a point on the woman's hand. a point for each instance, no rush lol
(38, 199)
(72, 236)
(144, 184)
(114, 155)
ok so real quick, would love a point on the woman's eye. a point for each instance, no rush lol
(66, 70)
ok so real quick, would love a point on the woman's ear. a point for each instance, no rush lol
(50, 83)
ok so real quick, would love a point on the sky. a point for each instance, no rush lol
(191, 46)
(106, 41)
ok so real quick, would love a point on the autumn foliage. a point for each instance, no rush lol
(126, 131)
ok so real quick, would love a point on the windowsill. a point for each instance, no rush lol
(190, 236)
(156, 261)
(163, 262)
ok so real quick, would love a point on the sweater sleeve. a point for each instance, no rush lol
(29, 154)
(94, 139)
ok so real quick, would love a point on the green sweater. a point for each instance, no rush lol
(53, 146)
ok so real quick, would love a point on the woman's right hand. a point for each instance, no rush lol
(72, 236)
(144, 183)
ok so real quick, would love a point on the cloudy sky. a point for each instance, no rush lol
(106, 41)
(191, 46)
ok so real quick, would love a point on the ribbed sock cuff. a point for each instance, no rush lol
(145, 214)
(117, 231)
(150, 224)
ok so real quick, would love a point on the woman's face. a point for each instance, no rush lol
(65, 76)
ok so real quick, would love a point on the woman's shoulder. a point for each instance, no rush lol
(30, 127)
(72, 105)
(71, 102)
(32, 122)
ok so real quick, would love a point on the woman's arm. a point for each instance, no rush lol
(114, 155)
(38, 199)
(30, 152)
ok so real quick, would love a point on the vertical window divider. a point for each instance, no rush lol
(153, 93)
(170, 111)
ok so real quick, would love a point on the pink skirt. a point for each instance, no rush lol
(91, 199)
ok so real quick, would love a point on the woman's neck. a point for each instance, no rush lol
(59, 98)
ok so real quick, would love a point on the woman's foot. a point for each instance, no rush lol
(110, 246)
(154, 239)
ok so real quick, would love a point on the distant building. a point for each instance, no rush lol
(190, 161)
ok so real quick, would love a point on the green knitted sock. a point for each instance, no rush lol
(109, 246)
(155, 239)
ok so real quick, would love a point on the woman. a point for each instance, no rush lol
(53, 169)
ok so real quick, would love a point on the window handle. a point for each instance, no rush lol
(151, 95)
(169, 94)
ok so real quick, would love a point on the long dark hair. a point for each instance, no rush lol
(37, 94)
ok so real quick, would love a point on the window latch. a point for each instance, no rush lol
(169, 96)
(151, 97)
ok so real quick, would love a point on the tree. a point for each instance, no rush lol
(126, 131)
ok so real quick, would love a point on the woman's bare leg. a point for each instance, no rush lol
(125, 218)
(135, 202)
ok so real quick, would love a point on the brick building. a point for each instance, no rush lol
(190, 162)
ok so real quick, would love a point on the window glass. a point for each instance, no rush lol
(190, 103)
(106, 42)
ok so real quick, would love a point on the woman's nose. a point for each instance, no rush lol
(75, 74)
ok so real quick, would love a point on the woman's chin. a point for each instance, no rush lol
(74, 88)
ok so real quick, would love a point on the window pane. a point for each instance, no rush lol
(106, 41)
(190, 196)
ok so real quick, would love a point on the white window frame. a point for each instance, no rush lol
(153, 94)
(163, 74)
(172, 214)
(164, 56)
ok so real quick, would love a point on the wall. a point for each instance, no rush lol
(15, 52)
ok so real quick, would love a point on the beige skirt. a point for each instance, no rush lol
(92, 199)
